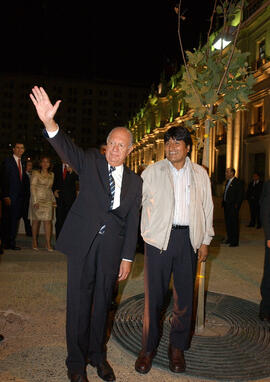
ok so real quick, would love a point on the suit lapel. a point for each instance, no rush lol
(102, 166)
(125, 183)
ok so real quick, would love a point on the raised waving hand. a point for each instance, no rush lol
(45, 110)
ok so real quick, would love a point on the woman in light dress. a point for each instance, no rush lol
(42, 202)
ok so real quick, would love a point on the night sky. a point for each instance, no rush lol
(118, 40)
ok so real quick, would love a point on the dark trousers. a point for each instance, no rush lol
(231, 214)
(61, 214)
(265, 284)
(27, 224)
(254, 207)
(180, 260)
(11, 217)
(89, 294)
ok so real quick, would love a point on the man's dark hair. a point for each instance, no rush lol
(18, 142)
(179, 133)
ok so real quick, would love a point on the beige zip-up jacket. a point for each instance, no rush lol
(158, 205)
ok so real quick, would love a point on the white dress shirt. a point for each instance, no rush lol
(181, 182)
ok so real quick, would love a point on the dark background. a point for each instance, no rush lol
(120, 40)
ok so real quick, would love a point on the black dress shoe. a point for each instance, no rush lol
(77, 377)
(234, 245)
(1, 250)
(15, 248)
(143, 363)
(251, 225)
(104, 371)
(177, 362)
(226, 241)
(1, 337)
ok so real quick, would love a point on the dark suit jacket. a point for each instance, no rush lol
(265, 209)
(235, 193)
(12, 186)
(67, 187)
(91, 209)
(254, 192)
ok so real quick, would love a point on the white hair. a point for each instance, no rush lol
(124, 128)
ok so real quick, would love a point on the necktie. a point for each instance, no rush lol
(112, 190)
(20, 168)
(65, 172)
(112, 185)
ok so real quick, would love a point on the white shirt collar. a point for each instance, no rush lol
(118, 169)
(16, 158)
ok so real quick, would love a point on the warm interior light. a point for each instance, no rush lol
(221, 43)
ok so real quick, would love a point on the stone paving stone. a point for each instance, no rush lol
(33, 295)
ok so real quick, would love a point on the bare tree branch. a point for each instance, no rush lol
(210, 28)
(183, 54)
(233, 49)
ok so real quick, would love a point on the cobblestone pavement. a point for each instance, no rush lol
(32, 305)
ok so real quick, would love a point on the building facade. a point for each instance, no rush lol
(245, 142)
(88, 111)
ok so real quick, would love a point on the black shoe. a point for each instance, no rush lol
(77, 377)
(1, 250)
(251, 225)
(259, 226)
(234, 245)
(105, 371)
(226, 241)
(15, 248)
(1, 337)
(29, 234)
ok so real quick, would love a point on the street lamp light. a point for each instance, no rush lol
(223, 39)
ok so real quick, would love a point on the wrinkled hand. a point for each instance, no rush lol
(268, 243)
(202, 253)
(45, 110)
(125, 268)
(36, 206)
(7, 201)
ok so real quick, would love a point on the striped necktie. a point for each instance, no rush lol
(112, 190)
(112, 185)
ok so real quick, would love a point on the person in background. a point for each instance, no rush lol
(64, 189)
(14, 186)
(232, 200)
(264, 313)
(254, 192)
(42, 202)
(26, 220)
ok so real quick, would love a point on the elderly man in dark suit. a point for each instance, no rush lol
(232, 200)
(254, 192)
(14, 185)
(64, 189)
(99, 237)
(265, 284)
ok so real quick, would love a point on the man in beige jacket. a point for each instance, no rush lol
(177, 227)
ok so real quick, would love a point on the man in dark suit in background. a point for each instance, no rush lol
(254, 192)
(264, 313)
(65, 191)
(232, 200)
(14, 188)
(27, 194)
(99, 237)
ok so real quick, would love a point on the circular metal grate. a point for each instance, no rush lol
(235, 346)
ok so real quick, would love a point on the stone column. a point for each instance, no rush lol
(229, 143)
(236, 141)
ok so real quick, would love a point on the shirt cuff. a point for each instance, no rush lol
(207, 240)
(52, 134)
(130, 261)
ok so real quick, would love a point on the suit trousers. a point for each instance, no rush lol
(231, 215)
(89, 294)
(61, 214)
(265, 284)
(180, 261)
(11, 218)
